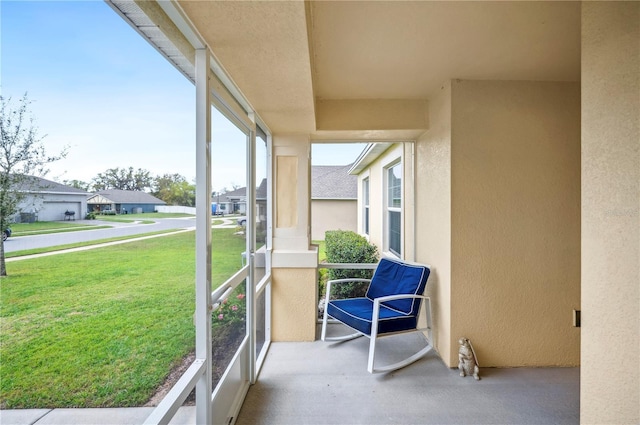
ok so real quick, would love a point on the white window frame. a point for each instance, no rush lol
(366, 211)
(388, 208)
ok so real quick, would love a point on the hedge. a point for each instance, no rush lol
(343, 246)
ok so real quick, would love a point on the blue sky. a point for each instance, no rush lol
(99, 88)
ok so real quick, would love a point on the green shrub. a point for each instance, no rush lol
(323, 277)
(344, 246)
(91, 215)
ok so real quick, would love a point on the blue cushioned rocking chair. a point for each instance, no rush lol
(390, 306)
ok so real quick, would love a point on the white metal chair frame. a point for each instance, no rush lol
(426, 304)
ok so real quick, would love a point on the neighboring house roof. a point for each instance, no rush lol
(235, 194)
(40, 185)
(241, 193)
(99, 200)
(117, 196)
(327, 182)
(333, 182)
(261, 191)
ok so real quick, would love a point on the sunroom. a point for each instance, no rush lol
(516, 131)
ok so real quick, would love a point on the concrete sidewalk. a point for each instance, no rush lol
(108, 416)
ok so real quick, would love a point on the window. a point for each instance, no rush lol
(394, 209)
(365, 198)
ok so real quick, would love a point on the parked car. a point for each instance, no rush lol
(6, 234)
(242, 221)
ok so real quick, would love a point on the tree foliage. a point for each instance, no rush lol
(78, 184)
(174, 189)
(22, 159)
(123, 179)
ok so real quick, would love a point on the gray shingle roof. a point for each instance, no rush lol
(38, 184)
(333, 182)
(129, 197)
(236, 193)
(261, 191)
(327, 182)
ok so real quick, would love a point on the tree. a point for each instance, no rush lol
(22, 159)
(174, 190)
(78, 184)
(123, 179)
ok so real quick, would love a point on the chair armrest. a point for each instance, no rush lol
(348, 279)
(398, 297)
(330, 283)
(377, 301)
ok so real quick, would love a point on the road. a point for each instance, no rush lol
(118, 229)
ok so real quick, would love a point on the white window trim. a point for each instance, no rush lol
(366, 206)
(385, 235)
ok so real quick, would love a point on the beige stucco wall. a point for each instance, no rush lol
(408, 203)
(610, 372)
(371, 114)
(433, 215)
(332, 214)
(499, 220)
(515, 222)
(294, 308)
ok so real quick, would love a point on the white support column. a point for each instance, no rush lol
(295, 261)
(203, 235)
(251, 248)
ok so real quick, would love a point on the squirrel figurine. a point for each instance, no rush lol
(468, 362)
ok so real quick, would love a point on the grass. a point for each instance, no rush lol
(119, 219)
(81, 244)
(322, 254)
(141, 216)
(102, 328)
(46, 227)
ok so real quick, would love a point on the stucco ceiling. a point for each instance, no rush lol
(289, 57)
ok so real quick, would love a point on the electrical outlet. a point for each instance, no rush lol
(576, 318)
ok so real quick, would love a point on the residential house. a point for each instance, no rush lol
(333, 200)
(520, 122)
(235, 201)
(123, 201)
(385, 197)
(47, 200)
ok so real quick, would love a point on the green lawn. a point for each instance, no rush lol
(101, 327)
(81, 244)
(124, 219)
(322, 255)
(44, 227)
(145, 218)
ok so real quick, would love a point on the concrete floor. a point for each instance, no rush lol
(327, 383)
